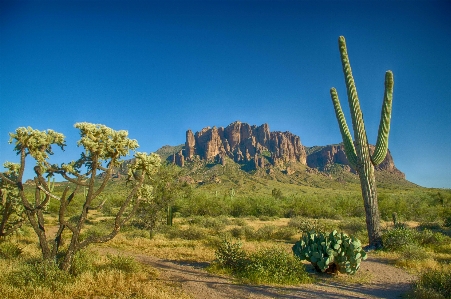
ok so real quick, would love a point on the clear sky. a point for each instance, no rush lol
(158, 68)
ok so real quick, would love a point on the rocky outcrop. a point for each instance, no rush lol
(178, 159)
(244, 143)
(330, 154)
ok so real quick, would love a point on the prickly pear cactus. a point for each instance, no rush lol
(330, 252)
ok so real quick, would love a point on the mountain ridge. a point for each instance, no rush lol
(256, 147)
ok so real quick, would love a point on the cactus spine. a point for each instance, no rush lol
(358, 151)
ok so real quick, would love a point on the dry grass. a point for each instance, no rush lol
(177, 249)
(103, 281)
(113, 283)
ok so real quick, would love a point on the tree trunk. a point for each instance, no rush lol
(68, 259)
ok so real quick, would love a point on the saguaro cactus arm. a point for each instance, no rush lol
(353, 99)
(384, 127)
(345, 134)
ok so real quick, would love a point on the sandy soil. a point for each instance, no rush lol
(378, 280)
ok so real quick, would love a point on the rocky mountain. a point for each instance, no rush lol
(242, 143)
(257, 147)
(322, 157)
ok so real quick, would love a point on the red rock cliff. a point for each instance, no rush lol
(244, 143)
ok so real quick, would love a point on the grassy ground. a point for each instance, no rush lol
(192, 239)
(423, 247)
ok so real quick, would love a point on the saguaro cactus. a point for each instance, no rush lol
(358, 151)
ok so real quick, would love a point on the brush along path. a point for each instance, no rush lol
(381, 280)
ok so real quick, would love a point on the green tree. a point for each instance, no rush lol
(103, 149)
(358, 151)
(165, 189)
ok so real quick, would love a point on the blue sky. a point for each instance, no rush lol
(158, 68)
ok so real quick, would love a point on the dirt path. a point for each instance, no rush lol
(386, 281)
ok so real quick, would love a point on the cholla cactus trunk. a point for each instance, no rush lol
(358, 151)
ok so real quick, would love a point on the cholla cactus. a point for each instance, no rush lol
(358, 151)
(103, 150)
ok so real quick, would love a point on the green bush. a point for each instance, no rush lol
(271, 265)
(413, 252)
(433, 284)
(428, 237)
(191, 233)
(217, 224)
(83, 262)
(284, 233)
(274, 266)
(396, 238)
(238, 232)
(239, 221)
(123, 263)
(353, 226)
(264, 233)
(305, 225)
(37, 274)
(9, 250)
(231, 256)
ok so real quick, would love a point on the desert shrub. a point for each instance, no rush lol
(417, 206)
(231, 256)
(139, 233)
(98, 230)
(430, 225)
(275, 266)
(353, 226)
(267, 218)
(37, 274)
(348, 206)
(447, 218)
(396, 238)
(413, 252)
(216, 224)
(83, 262)
(240, 207)
(284, 233)
(433, 284)
(239, 221)
(264, 233)
(169, 231)
(194, 220)
(238, 232)
(122, 263)
(9, 250)
(191, 233)
(271, 265)
(203, 205)
(426, 237)
(305, 225)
